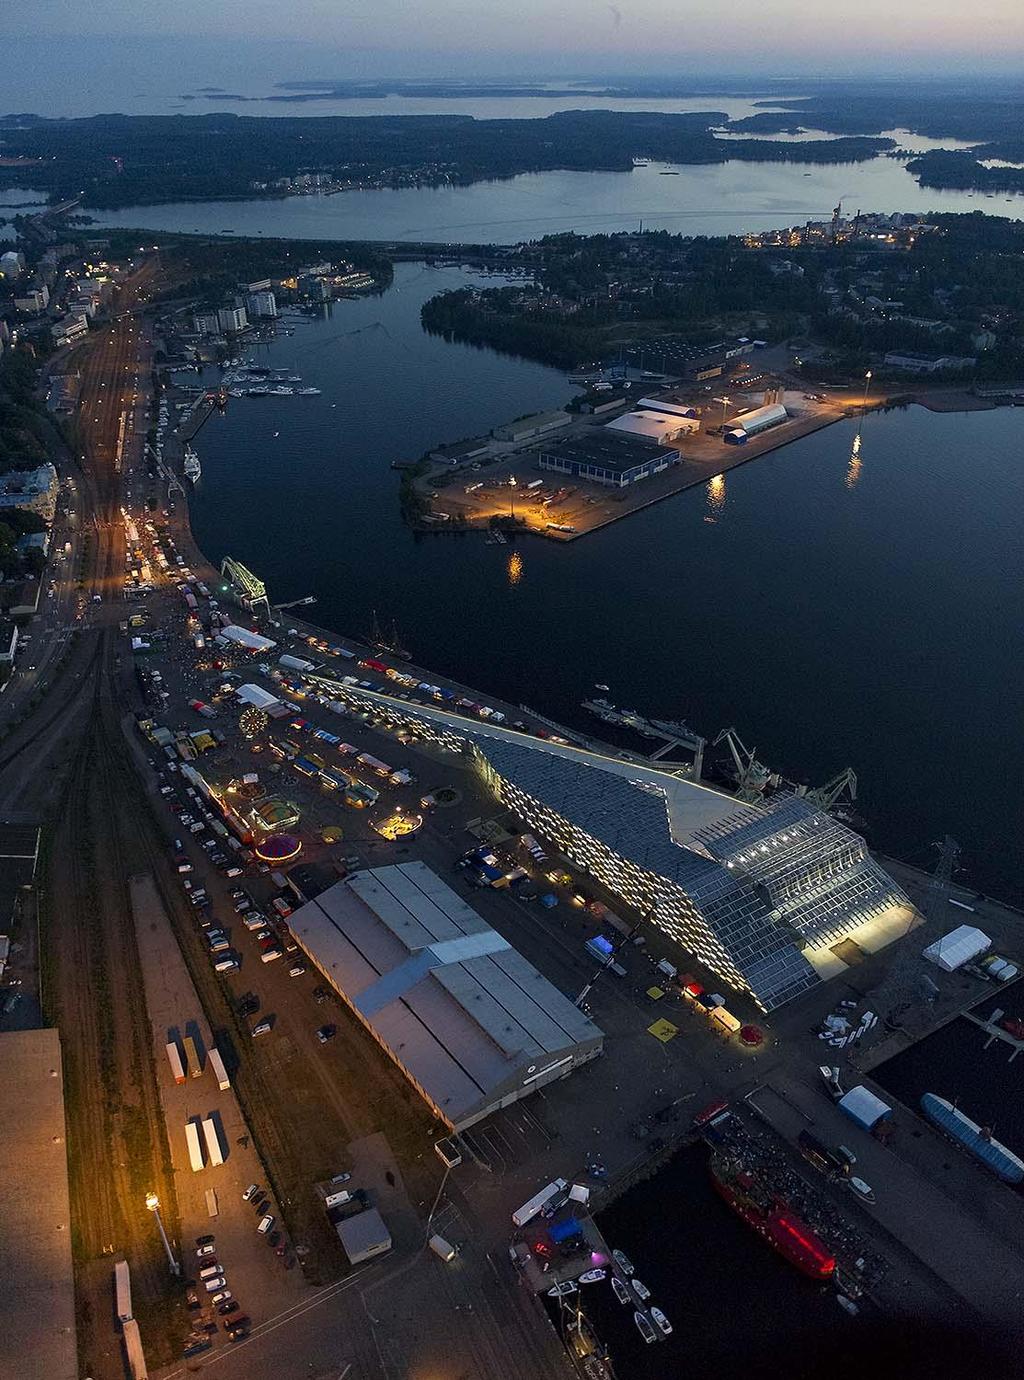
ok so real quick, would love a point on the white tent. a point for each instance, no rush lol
(958, 947)
(253, 642)
(256, 695)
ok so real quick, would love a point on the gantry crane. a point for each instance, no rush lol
(826, 796)
(752, 777)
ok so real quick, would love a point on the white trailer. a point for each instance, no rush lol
(176, 1062)
(195, 1148)
(216, 1063)
(212, 1138)
(123, 1289)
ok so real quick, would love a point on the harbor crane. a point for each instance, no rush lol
(251, 590)
(826, 796)
(752, 777)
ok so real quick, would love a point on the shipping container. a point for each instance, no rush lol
(219, 1071)
(176, 1062)
(212, 1137)
(195, 1149)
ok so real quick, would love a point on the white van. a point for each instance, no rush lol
(265, 1224)
(442, 1248)
(226, 965)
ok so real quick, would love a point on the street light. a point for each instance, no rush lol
(725, 404)
(512, 494)
(153, 1203)
(867, 385)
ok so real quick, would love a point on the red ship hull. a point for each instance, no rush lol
(773, 1220)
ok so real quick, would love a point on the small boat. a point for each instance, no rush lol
(567, 1286)
(623, 1261)
(592, 1276)
(646, 1327)
(862, 1190)
(640, 1289)
(620, 1290)
(602, 687)
(848, 1304)
(661, 1322)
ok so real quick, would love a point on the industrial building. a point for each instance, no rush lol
(654, 428)
(669, 405)
(769, 896)
(470, 1022)
(528, 428)
(679, 358)
(364, 1235)
(36, 1272)
(606, 457)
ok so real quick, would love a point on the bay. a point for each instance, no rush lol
(718, 199)
(838, 608)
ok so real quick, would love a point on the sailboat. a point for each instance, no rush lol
(391, 644)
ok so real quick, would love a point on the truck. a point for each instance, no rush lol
(538, 1202)
(192, 1057)
(175, 1060)
(123, 1290)
(603, 950)
(295, 663)
(212, 1137)
(219, 1071)
(195, 1149)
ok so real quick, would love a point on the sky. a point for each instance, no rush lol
(338, 38)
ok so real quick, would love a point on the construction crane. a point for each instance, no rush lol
(826, 796)
(752, 776)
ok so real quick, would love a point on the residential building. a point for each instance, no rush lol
(232, 319)
(12, 263)
(34, 490)
(262, 304)
(605, 457)
(34, 301)
(69, 329)
(206, 323)
(8, 640)
(467, 1019)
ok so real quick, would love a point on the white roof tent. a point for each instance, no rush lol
(655, 427)
(467, 1019)
(958, 947)
(862, 1106)
(256, 696)
(760, 418)
(242, 637)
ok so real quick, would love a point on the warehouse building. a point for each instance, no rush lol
(606, 457)
(470, 1022)
(654, 428)
(529, 428)
(770, 896)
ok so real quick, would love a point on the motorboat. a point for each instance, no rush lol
(620, 1290)
(862, 1190)
(567, 1286)
(661, 1322)
(640, 1289)
(592, 1276)
(623, 1261)
(646, 1327)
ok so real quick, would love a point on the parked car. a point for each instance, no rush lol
(208, 1249)
(326, 1032)
(250, 1192)
(261, 1028)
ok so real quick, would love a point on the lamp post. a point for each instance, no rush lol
(725, 405)
(153, 1203)
(867, 385)
(512, 495)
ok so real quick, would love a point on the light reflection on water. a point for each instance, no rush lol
(853, 468)
(716, 496)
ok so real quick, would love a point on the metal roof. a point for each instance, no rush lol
(462, 1011)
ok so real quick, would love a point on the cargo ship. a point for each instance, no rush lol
(753, 1199)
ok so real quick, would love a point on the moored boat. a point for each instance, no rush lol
(592, 1276)
(620, 1290)
(623, 1261)
(646, 1327)
(661, 1322)
(640, 1289)
(753, 1199)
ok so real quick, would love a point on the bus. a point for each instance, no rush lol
(537, 1203)
(195, 1149)
(123, 1289)
(192, 1057)
(212, 1138)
